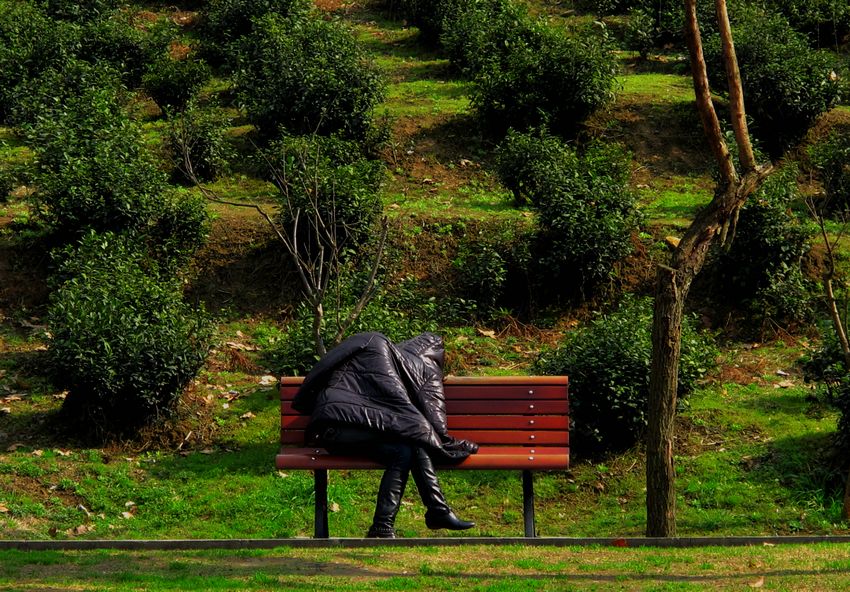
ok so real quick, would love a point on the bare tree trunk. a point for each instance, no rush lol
(673, 283)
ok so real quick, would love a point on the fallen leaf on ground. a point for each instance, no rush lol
(248, 415)
(81, 529)
(487, 332)
(334, 507)
(37, 452)
(3, 509)
(126, 515)
(784, 384)
(268, 380)
(758, 583)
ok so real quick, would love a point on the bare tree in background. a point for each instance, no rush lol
(716, 222)
(314, 239)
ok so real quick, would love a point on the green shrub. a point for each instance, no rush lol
(330, 177)
(173, 83)
(30, 43)
(484, 32)
(201, 135)
(826, 22)
(531, 164)
(831, 160)
(115, 41)
(483, 272)
(179, 227)
(425, 15)
(762, 269)
(552, 79)
(85, 11)
(586, 212)
(123, 343)
(92, 168)
(786, 84)
(59, 92)
(826, 367)
(307, 76)
(224, 22)
(608, 362)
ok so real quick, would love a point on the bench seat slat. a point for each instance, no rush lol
(487, 458)
(531, 438)
(482, 407)
(515, 392)
(460, 422)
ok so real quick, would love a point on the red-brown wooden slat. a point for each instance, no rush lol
(295, 381)
(475, 422)
(490, 392)
(536, 438)
(488, 408)
(293, 458)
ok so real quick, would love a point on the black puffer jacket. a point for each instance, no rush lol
(369, 382)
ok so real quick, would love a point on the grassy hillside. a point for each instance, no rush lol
(753, 449)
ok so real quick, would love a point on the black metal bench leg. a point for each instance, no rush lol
(528, 503)
(320, 519)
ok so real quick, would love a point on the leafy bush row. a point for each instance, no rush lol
(305, 75)
(608, 362)
(586, 212)
(525, 72)
(123, 343)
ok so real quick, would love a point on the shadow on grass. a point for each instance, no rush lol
(809, 466)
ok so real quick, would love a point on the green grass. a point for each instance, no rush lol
(477, 568)
(675, 203)
(750, 457)
(662, 88)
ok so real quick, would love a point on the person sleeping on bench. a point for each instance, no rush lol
(370, 397)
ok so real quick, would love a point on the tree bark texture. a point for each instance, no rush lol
(673, 283)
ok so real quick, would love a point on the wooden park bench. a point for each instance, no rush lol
(519, 422)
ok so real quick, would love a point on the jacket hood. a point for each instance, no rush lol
(427, 346)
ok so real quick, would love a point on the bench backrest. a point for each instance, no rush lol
(508, 416)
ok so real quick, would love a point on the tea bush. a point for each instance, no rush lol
(831, 160)
(826, 367)
(825, 22)
(553, 79)
(115, 41)
(762, 268)
(306, 75)
(224, 22)
(123, 343)
(173, 83)
(485, 32)
(586, 212)
(30, 43)
(608, 362)
(85, 11)
(200, 134)
(92, 168)
(786, 83)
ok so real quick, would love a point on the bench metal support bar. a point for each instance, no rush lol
(320, 519)
(528, 503)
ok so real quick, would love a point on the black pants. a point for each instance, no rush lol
(401, 458)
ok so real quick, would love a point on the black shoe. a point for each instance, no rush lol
(380, 532)
(446, 520)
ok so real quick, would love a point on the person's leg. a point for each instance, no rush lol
(438, 514)
(397, 457)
